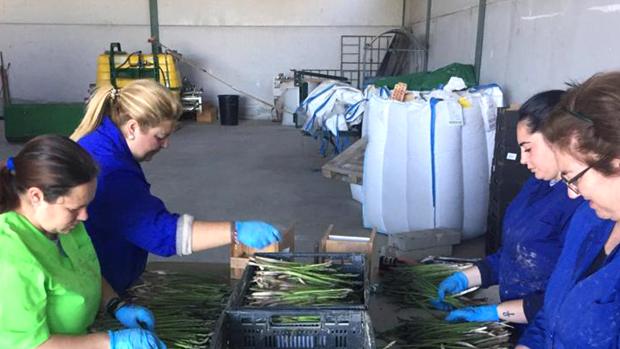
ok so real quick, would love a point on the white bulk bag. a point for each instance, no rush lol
(410, 149)
(445, 130)
(395, 174)
(376, 118)
(427, 163)
(492, 97)
(475, 167)
(421, 214)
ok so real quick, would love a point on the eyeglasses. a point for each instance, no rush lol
(571, 183)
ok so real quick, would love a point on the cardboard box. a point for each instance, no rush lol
(239, 254)
(424, 239)
(399, 92)
(208, 115)
(415, 255)
(332, 242)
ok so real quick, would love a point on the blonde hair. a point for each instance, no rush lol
(145, 101)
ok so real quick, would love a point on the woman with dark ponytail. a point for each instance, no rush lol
(51, 280)
(532, 232)
(582, 301)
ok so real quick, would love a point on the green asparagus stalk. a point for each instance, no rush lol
(278, 282)
(186, 308)
(416, 285)
(434, 333)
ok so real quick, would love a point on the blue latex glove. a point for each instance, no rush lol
(135, 316)
(256, 234)
(441, 305)
(484, 313)
(134, 338)
(454, 283)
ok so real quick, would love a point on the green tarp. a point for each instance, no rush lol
(431, 80)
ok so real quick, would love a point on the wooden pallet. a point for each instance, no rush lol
(349, 165)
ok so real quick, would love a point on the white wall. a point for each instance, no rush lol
(53, 45)
(529, 45)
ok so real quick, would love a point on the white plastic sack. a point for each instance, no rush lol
(427, 162)
(475, 167)
(318, 103)
(410, 149)
(377, 113)
(491, 98)
(420, 212)
(446, 163)
(333, 106)
(370, 91)
(356, 192)
(395, 169)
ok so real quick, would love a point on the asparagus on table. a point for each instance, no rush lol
(434, 333)
(278, 282)
(186, 307)
(416, 285)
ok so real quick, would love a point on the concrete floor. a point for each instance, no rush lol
(257, 170)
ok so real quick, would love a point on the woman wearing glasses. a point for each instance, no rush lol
(533, 230)
(582, 301)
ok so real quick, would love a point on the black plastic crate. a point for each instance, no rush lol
(294, 329)
(507, 177)
(354, 263)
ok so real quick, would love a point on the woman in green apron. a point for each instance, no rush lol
(51, 281)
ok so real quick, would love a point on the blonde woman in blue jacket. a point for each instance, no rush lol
(122, 128)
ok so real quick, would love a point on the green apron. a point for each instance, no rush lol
(47, 287)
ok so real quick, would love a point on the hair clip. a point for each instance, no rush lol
(115, 93)
(579, 115)
(10, 164)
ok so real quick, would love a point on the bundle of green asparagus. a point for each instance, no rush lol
(277, 283)
(186, 307)
(416, 285)
(436, 333)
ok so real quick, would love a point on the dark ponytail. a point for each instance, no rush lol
(538, 107)
(8, 195)
(54, 164)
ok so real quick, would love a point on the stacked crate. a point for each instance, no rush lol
(507, 176)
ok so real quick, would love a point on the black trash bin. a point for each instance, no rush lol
(229, 109)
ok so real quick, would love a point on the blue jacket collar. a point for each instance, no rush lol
(116, 139)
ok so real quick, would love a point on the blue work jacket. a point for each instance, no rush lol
(125, 221)
(581, 310)
(532, 237)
